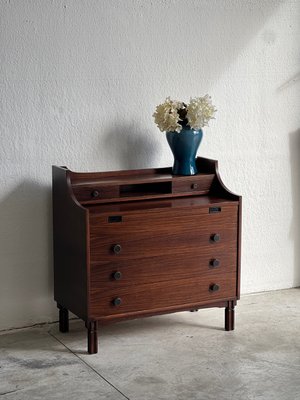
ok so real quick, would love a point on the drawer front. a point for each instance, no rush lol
(120, 273)
(161, 295)
(90, 193)
(160, 233)
(192, 184)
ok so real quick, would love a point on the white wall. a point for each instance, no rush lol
(79, 82)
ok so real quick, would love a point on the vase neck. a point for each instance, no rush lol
(188, 128)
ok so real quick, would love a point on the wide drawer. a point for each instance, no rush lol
(121, 273)
(160, 295)
(159, 233)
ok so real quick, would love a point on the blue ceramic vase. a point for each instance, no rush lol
(184, 146)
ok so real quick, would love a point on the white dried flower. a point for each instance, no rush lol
(172, 115)
(200, 111)
(166, 116)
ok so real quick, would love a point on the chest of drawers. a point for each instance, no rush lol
(137, 243)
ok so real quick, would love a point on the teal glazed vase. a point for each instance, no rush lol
(184, 146)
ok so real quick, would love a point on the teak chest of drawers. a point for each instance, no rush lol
(138, 243)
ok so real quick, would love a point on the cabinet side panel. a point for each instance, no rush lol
(217, 188)
(239, 248)
(70, 244)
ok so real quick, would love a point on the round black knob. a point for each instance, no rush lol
(214, 288)
(215, 237)
(117, 248)
(95, 193)
(117, 301)
(195, 186)
(117, 275)
(214, 262)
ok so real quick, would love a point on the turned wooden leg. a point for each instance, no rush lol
(229, 316)
(92, 337)
(63, 319)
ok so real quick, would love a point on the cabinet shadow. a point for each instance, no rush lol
(132, 146)
(26, 273)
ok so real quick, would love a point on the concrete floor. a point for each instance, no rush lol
(184, 356)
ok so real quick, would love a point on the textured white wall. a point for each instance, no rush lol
(79, 82)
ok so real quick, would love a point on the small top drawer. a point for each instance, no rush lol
(192, 184)
(95, 192)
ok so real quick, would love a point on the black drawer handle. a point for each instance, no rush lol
(117, 248)
(214, 288)
(216, 237)
(117, 275)
(95, 194)
(214, 263)
(194, 186)
(117, 301)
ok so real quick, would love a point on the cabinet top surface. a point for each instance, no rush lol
(204, 166)
(134, 177)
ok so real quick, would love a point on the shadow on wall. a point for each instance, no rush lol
(26, 253)
(131, 146)
(294, 139)
(26, 269)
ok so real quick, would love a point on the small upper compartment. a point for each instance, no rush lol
(106, 187)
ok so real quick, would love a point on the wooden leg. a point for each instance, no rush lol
(92, 337)
(63, 319)
(229, 316)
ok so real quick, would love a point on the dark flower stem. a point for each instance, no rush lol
(182, 112)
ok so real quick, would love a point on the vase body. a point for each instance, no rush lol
(184, 146)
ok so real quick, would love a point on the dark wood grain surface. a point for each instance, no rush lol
(162, 268)
(161, 233)
(184, 201)
(125, 185)
(129, 244)
(70, 247)
(92, 193)
(193, 184)
(162, 294)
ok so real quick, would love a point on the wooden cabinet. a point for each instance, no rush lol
(137, 243)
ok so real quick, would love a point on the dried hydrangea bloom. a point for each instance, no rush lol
(166, 116)
(172, 115)
(200, 111)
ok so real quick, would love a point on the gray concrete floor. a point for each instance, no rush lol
(183, 356)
